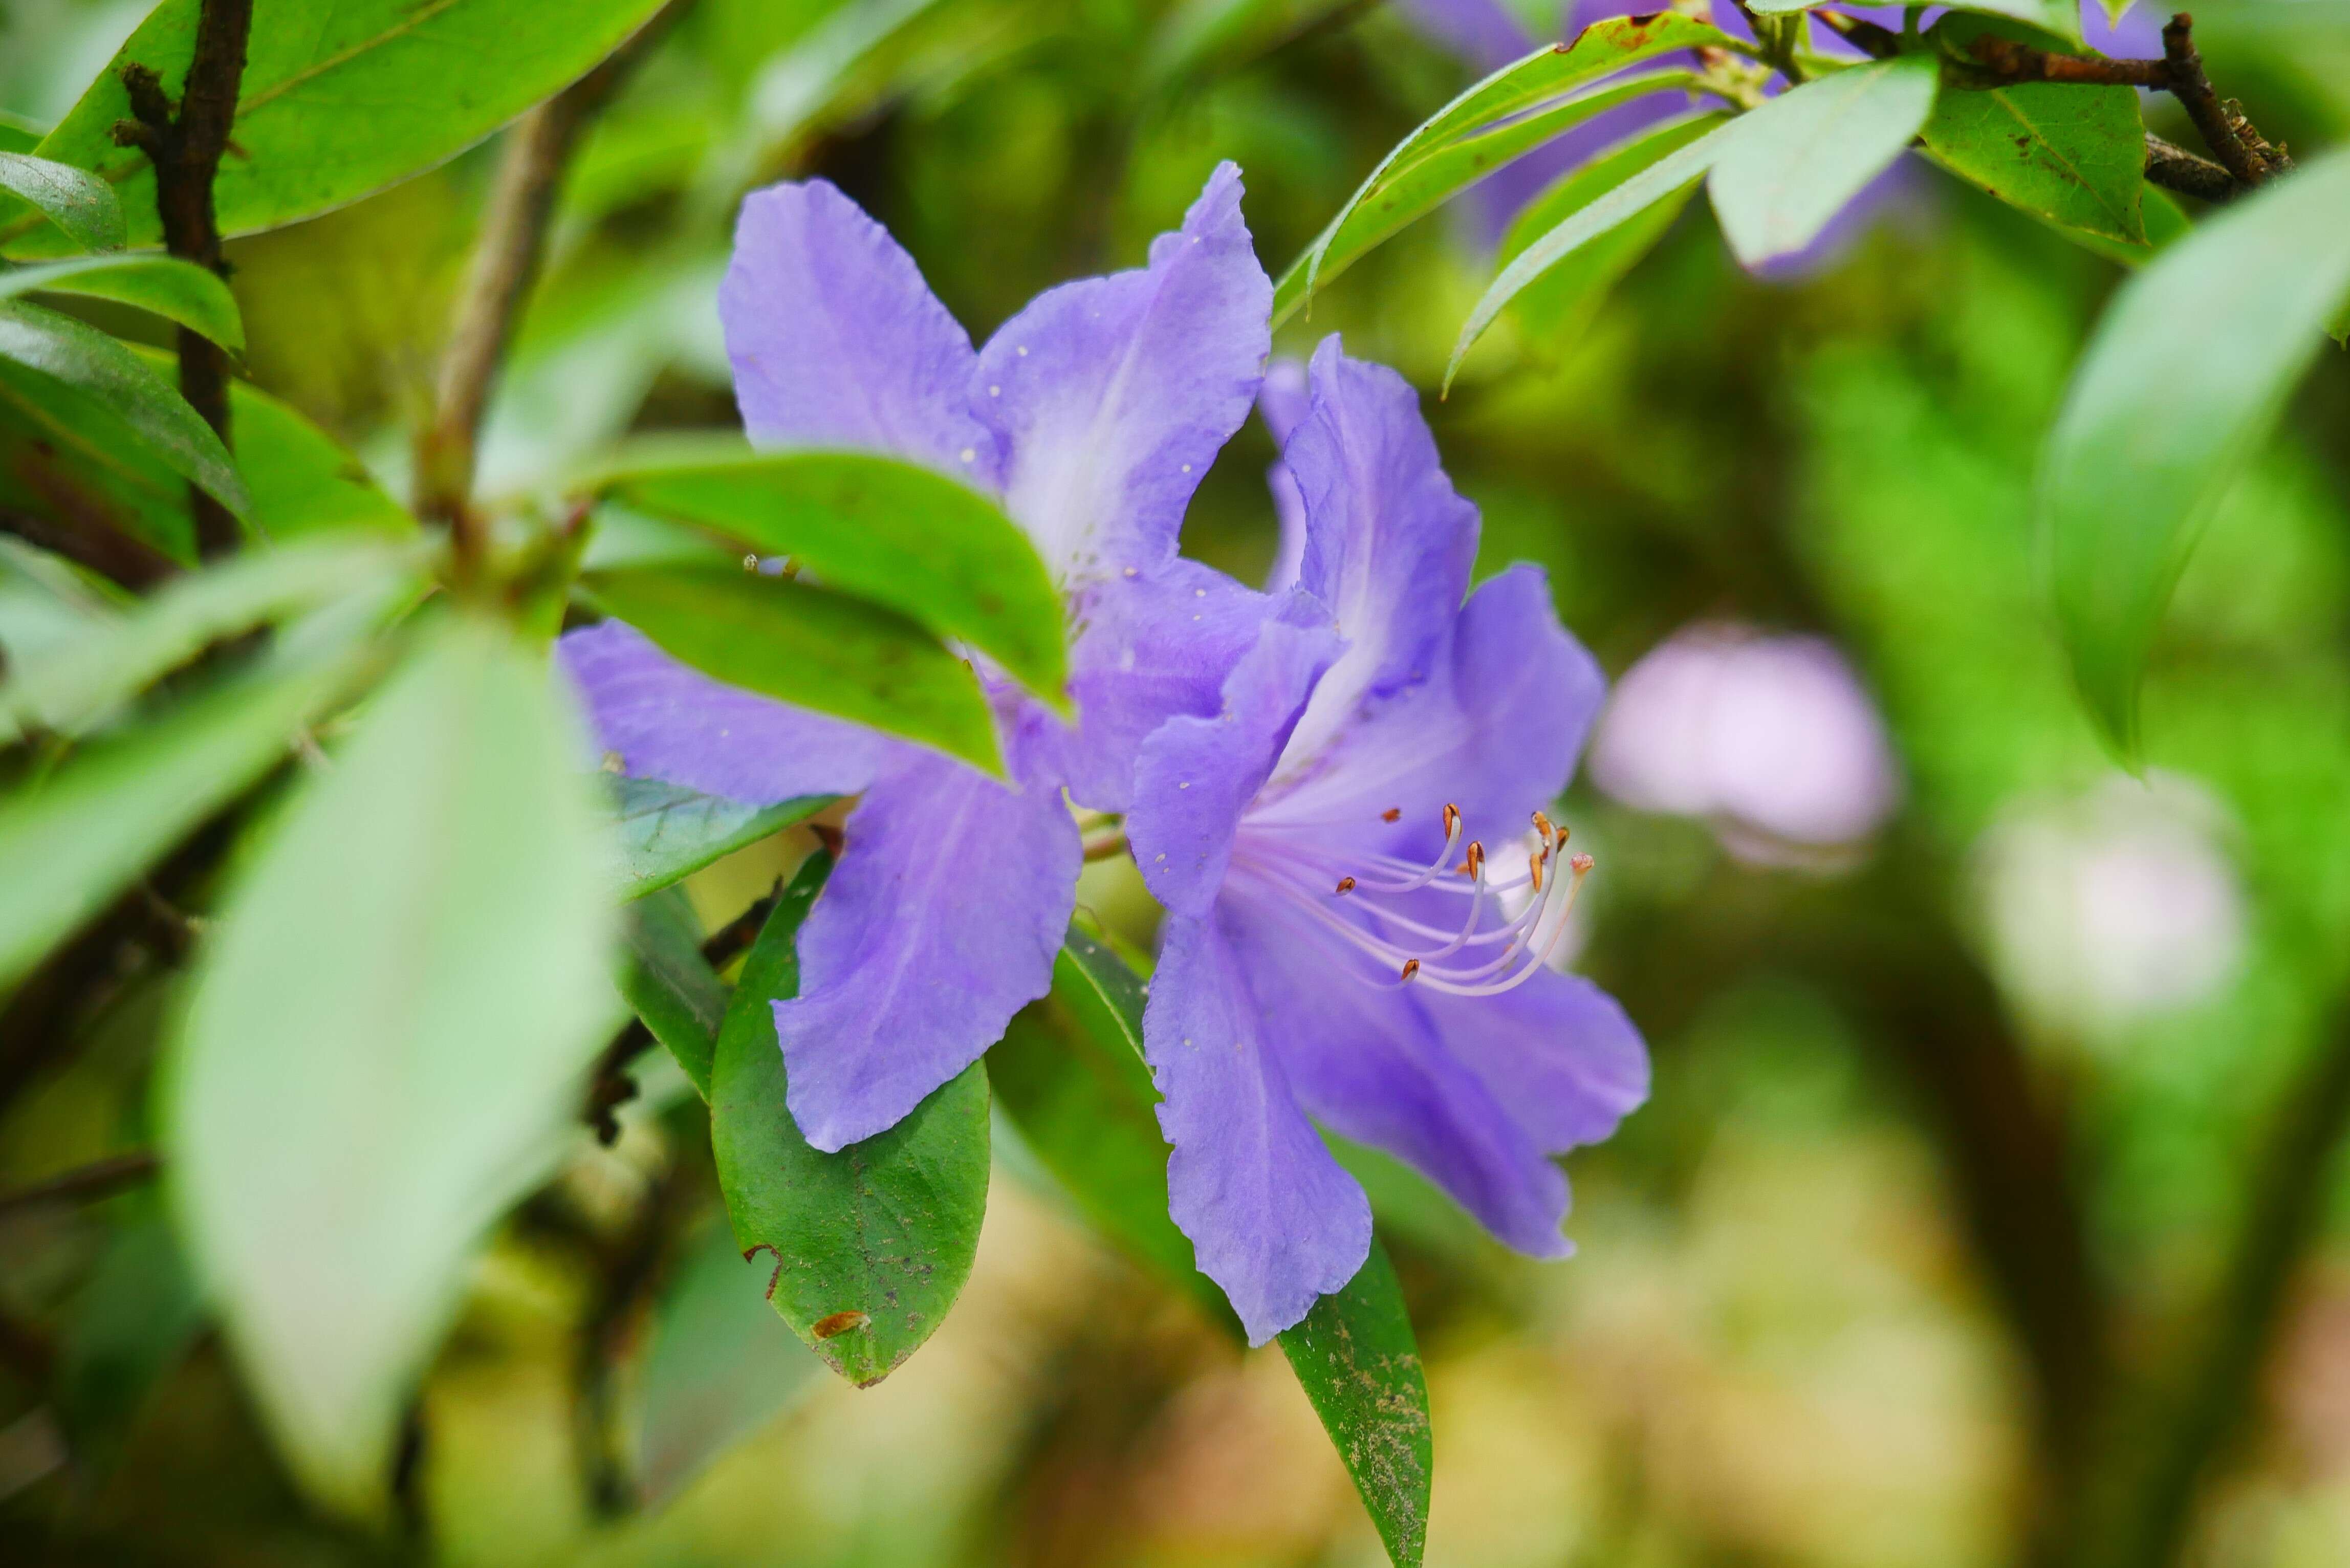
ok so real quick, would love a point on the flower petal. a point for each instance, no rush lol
(1114, 394)
(1558, 1051)
(1271, 1217)
(1196, 776)
(941, 920)
(670, 722)
(1369, 1064)
(1151, 647)
(837, 341)
(1388, 543)
(1497, 733)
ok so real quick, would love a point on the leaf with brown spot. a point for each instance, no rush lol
(891, 1222)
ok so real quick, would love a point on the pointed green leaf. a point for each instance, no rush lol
(1359, 1363)
(1667, 178)
(1431, 180)
(2071, 153)
(818, 649)
(1598, 51)
(2061, 17)
(934, 550)
(668, 832)
(1555, 306)
(871, 1245)
(75, 841)
(83, 207)
(1069, 1073)
(2186, 377)
(386, 1039)
(340, 100)
(1792, 165)
(111, 376)
(176, 290)
(79, 686)
(666, 982)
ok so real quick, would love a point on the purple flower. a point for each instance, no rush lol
(1361, 891)
(1093, 414)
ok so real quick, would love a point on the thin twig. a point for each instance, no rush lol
(506, 261)
(2014, 62)
(185, 148)
(2174, 168)
(101, 1178)
(2193, 89)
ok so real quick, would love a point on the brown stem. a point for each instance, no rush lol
(2193, 90)
(506, 261)
(185, 148)
(2175, 169)
(2014, 62)
(102, 1179)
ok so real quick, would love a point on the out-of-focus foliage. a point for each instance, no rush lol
(1793, 1333)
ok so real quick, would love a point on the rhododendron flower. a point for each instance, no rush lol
(1092, 414)
(1361, 887)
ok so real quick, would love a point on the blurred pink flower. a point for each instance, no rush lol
(1771, 738)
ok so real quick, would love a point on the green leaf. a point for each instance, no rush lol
(19, 134)
(2073, 154)
(1359, 1363)
(131, 1323)
(2185, 378)
(341, 101)
(84, 208)
(1435, 178)
(821, 650)
(665, 979)
(176, 290)
(1556, 304)
(1598, 51)
(385, 1041)
(668, 832)
(81, 356)
(1792, 164)
(2059, 16)
(63, 451)
(77, 687)
(871, 1245)
(1669, 177)
(934, 550)
(77, 839)
(718, 1366)
(1070, 1075)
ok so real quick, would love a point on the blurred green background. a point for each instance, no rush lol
(1922, 1254)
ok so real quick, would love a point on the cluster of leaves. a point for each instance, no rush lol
(411, 1023)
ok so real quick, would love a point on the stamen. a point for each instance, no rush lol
(1452, 822)
(1391, 814)
(1533, 868)
(1346, 885)
(1410, 968)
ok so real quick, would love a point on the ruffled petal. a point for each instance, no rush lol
(1558, 1051)
(1497, 733)
(1150, 648)
(941, 920)
(668, 721)
(1114, 394)
(1369, 1064)
(1388, 543)
(1271, 1217)
(1196, 776)
(837, 342)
